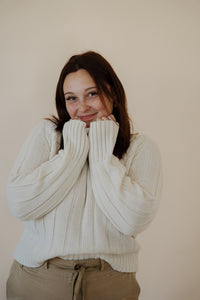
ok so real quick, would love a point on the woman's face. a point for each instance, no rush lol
(82, 99)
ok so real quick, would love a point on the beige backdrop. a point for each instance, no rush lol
(154, 47)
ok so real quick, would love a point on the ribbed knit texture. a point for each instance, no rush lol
(83, 202)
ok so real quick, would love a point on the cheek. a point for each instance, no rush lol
(70, 110)
(107, 107)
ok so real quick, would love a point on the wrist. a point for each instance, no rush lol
(102, 135)
(75, 138)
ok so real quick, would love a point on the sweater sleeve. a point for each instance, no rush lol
(38, 183)
(128, 196)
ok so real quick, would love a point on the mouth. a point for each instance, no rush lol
(87, 118)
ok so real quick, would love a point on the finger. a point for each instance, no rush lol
(111, 117)
(101, 118)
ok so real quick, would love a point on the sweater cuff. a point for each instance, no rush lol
(75, 138)
(102, 136)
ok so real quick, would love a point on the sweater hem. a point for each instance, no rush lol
(127, 263)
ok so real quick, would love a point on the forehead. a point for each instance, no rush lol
(80, 79)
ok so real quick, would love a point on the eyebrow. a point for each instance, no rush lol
(92, 87)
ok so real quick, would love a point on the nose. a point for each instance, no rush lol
(83, 106)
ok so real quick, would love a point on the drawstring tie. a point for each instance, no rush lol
(78, 267)
(78, 281)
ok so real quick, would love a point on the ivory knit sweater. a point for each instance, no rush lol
(82, 201)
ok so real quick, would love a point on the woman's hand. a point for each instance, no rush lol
(103, 118)
(100, 118)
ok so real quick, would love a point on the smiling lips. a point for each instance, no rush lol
(87, 117)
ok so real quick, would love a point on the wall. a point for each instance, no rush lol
(154, 47)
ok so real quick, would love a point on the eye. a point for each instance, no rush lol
(71, 98)
(93, 94)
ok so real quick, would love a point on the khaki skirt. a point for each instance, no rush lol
(59, 279)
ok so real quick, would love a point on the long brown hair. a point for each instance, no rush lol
(107, 84)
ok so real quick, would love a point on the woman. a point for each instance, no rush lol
(84, 187)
